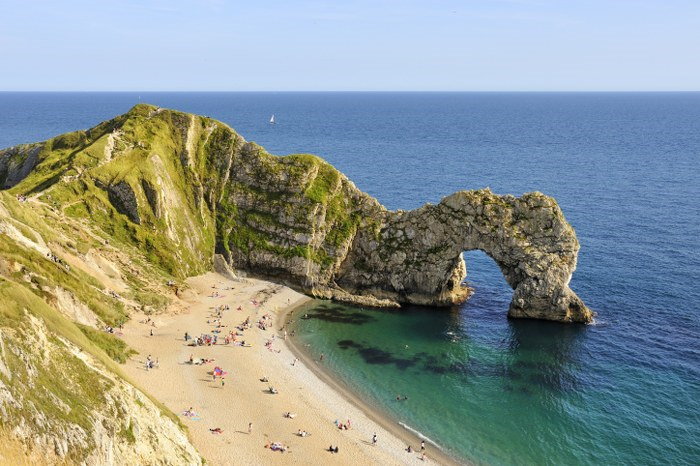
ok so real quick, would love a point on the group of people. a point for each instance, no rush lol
(54, 258)
(110, 329)
(265, 322)
(21, 198)
(409, 449)
(203, 340)
(199, 361)
(342, 426)
(151, 363)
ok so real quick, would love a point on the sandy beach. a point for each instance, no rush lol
(243, 398)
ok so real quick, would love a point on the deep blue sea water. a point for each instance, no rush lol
(625, 168)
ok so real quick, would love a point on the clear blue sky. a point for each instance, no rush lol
(350, 45)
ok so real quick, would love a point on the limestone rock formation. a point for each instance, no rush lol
(17, 162)
(417, 256)
(183, 187)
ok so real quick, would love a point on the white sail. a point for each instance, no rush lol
(272, 119)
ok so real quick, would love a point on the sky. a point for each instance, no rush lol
(373, 45)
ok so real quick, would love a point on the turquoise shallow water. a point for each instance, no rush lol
(623, 166)
(496, 391)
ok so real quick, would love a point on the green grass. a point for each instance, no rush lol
(324, 184)
(83, 286)
(156, 301)
(17, 299)
(128, 433)
(113, 346)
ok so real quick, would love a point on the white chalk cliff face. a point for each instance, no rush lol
(297, 220)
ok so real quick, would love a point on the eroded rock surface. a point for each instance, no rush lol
(417, 256)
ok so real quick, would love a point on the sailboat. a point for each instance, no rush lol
(272, 119)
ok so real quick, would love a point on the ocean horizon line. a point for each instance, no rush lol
(350, 91)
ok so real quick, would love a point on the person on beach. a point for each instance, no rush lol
(422, 445)
(374, 439)
(294, 363)
(250, 427)
(321, 358)
(151, 332)
(187, 336)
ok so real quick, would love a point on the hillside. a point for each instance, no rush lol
(61, 390)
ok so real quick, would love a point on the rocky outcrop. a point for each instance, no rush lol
(17, 162)
(297, 220)
(124, 200)
(152, 197)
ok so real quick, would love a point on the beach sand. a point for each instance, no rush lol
(244, 398)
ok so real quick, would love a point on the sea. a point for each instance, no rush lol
(625, 169)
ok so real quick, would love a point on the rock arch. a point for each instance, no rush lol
(416, 257)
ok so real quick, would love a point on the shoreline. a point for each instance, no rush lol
(383, 419)
(221, 429)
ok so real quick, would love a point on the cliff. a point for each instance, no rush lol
(180, 188)
(63, 397)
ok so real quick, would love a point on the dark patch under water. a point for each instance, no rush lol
(545, 375)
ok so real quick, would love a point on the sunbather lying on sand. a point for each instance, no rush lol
(277, 446)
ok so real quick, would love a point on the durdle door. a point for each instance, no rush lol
(417, 256)
(183, 187)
